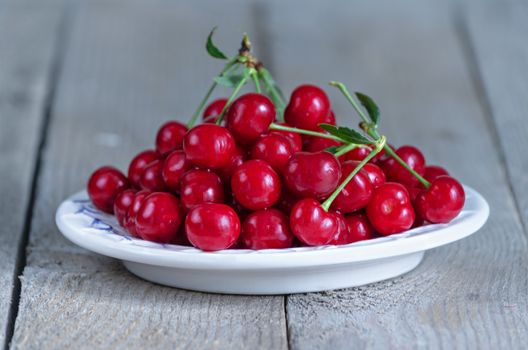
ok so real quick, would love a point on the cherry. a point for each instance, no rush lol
(275, 149)
(159, 218)
(433, 171)
(330, 118)
(313, 175)
(152, 179)
(138, 164)
(238, 157)
(441, 202)
(286, 201)
(170, 137)
(397, 173)
(316, 144)
(199, 186)
(256, 185)
(342, 235)
(296, 140)
(250, 116)
(209, 146)
(122, 202)
(213, 110)
(311, 224)
(266, 229)
(174, 166)
(374, 172)
(129, 223)
(308, 107)
(360, 153)
(103, 187)
(390, 209)
(418, 219)
(356, 193)
(212, 226)
(359, 228)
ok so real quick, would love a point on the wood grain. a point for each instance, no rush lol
(408, 56)
(129, 66)
(497, 33)
(27, 40)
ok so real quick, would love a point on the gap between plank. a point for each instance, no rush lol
(59, 50)
(470, 55)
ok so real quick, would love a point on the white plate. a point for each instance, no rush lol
(270, 271)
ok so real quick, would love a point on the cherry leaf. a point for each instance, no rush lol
(371, 107)
(212, 49)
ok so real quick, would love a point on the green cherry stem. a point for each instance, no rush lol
(370, 129)
(256, 81)
(194, 117)
(275, 95)
(346, 149)
(274, 126)
(245, 77)
(379, 146)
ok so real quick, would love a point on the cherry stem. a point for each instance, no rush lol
(274, 126)
(346, 149)
(379, 146)
(275, 95)
(371, 130)
(247, 74)
(194, 117)
(255, 78)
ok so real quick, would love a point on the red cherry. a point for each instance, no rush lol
(250, 116)
(209, 146)
(213, 110)
(433, 171)
(239, 157)
(129, 223)
(397, 173)
(103, 187)
(286, 201)
(356, 193)
(330, 118)
(360, 153)
(374, 172)
(312, 174)
(308, 107)
(199, 186)
(275, 149)
(122, 202)
(296, 140)
(342, 235)
(138, 164)
(152, 179)
(359, 228)
(418, 219)
(212, 226)
(159, 218)
(316, 144)
(311, 224)
(441, 202)
(390, 210)
(174, 166)
(266, 229)
(170, 137)
(256, 185)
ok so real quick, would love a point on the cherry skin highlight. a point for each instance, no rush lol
(121, 204)
(213, 110)
(311, 224)
(212, 226)
(103, 187)
(174, 166)
(266, 229)
(256, 185)
(250, 116)
(138, 164)
(441, 202)
(308, 107)
(209, 146)
(200, 186)
(159, 218)
(170, 137)
(313, 175)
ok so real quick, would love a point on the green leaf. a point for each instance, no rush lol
(228, 80)
(212, 49)
(333, 149)
(371, 107)
(347, 134)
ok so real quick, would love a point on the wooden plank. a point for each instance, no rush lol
(27, 39)
(130, 65)
(471, 294)
(497, 33)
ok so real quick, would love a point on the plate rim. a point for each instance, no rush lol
(245, 259)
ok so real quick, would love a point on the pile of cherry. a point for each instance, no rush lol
(253, 183)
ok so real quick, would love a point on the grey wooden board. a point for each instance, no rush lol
(27, 35)
(129, 66)
(498, 32)
(408, 57)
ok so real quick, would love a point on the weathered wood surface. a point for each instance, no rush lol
(497, 34)
(128, 67)
(409, 57)
(27, 36)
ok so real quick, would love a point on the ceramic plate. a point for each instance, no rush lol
(270, 271)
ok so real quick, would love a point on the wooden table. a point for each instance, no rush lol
(86, 83)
